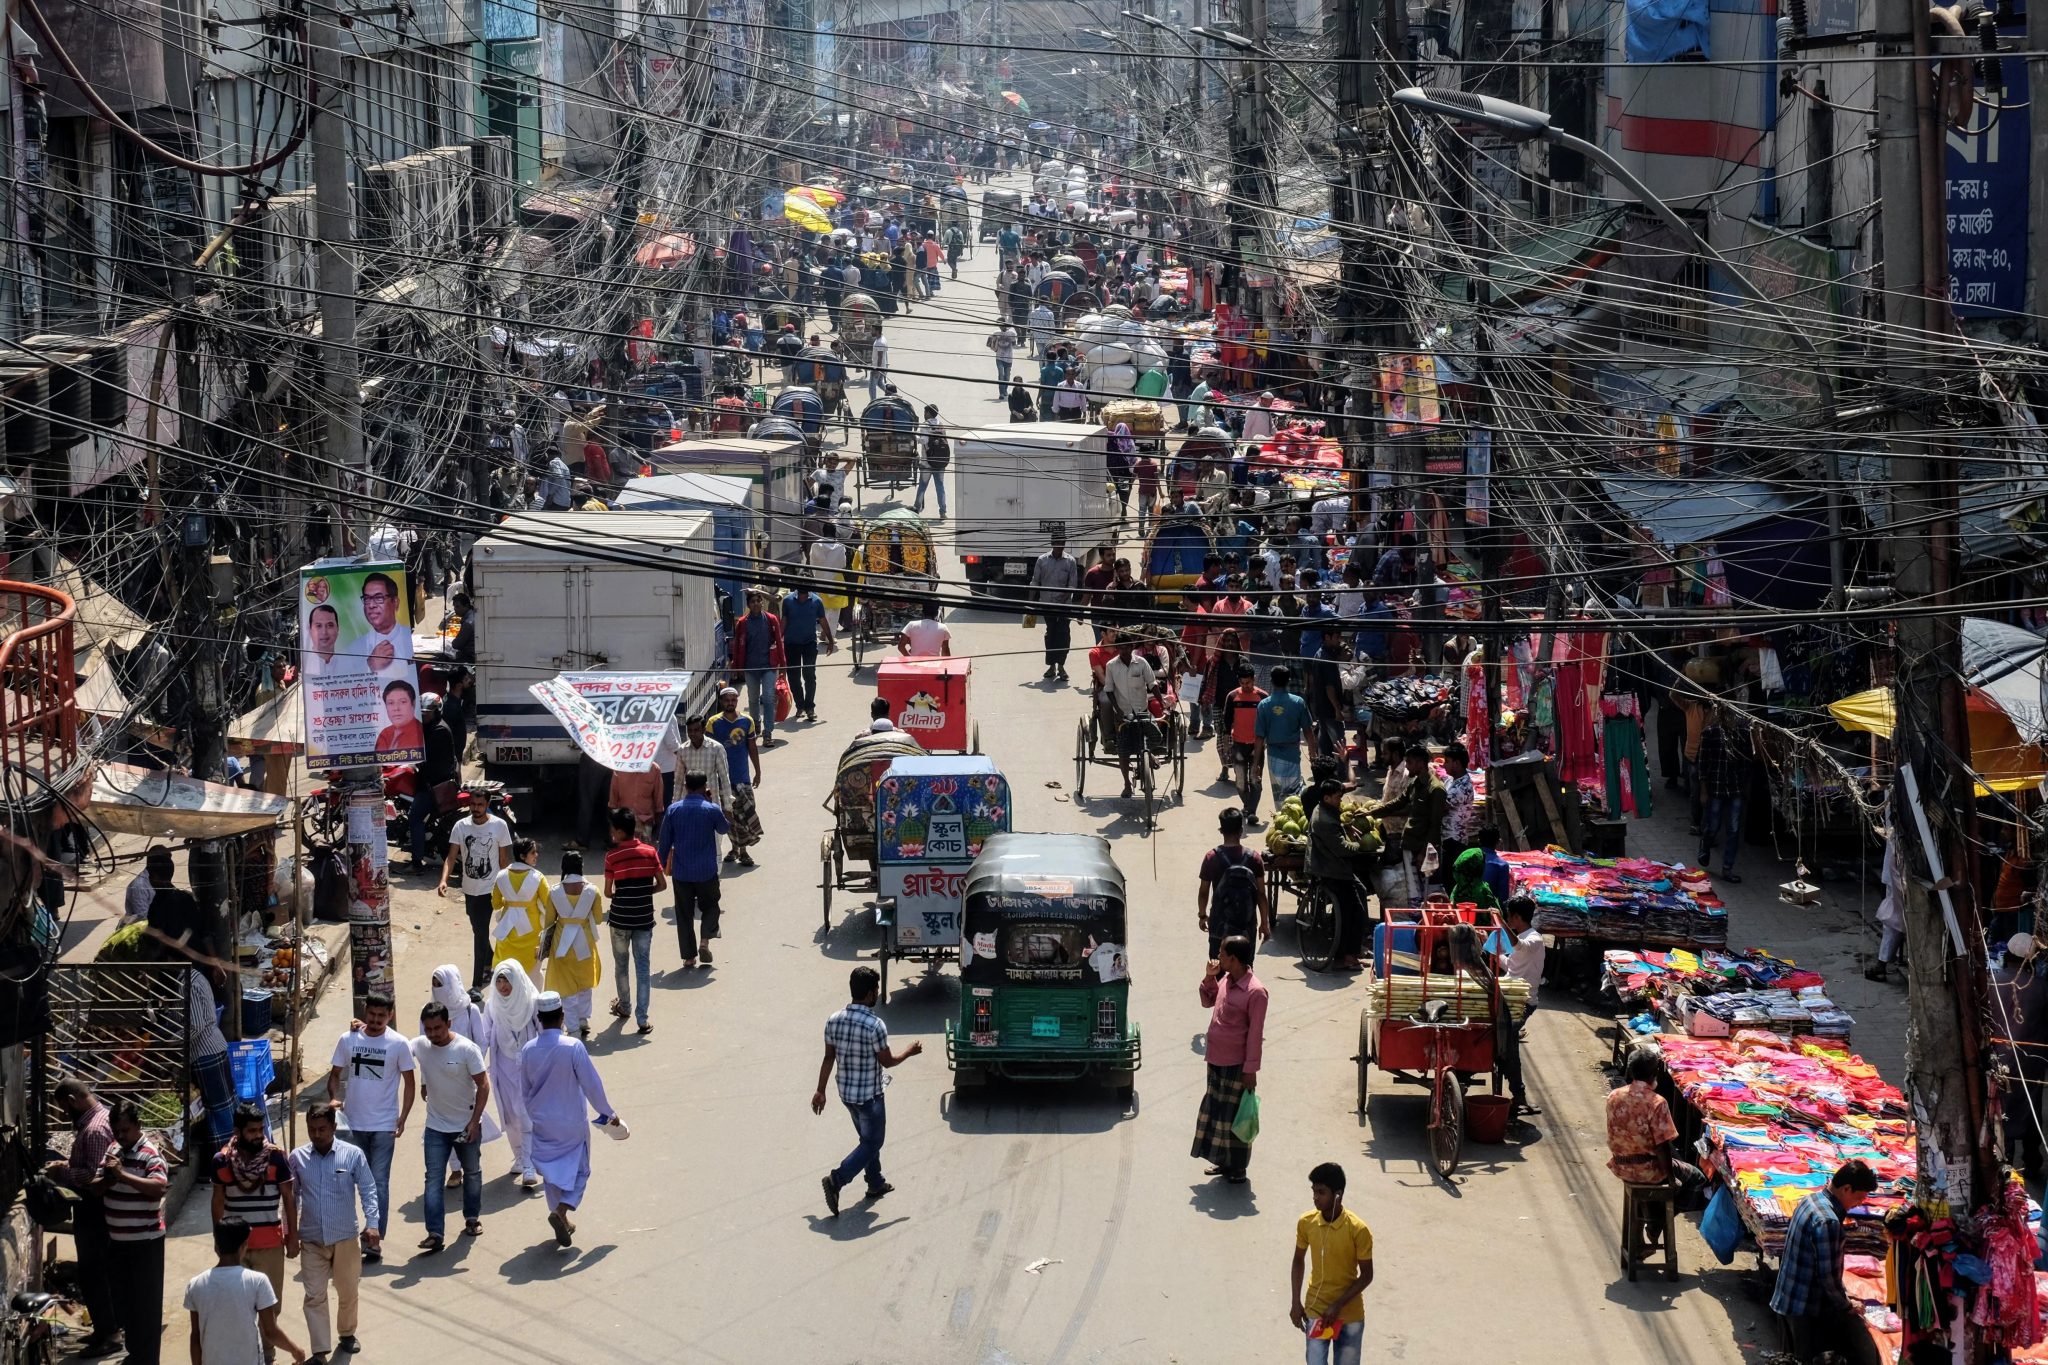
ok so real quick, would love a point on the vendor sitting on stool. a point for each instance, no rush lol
(1640, 1134)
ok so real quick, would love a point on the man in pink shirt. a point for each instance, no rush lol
(1236, 1042)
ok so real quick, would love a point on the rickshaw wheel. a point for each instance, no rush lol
(974, 739)
(859, 644)
(1180, 772)
(1080, 758)
(1447, 1135)
(882, 968)
(825, 877)
(1364, 1067)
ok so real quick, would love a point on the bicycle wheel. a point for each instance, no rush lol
(1315, 928)
(1447, 1129)
(1080, 759)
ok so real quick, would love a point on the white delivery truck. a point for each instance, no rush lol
(1014, 485)
(546, 604)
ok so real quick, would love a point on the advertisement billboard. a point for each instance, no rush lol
(355, 661)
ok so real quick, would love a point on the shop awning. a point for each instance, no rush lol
(279, 725)
(102, 619)
(2002, 761)
(1695, 511)
(158, 804)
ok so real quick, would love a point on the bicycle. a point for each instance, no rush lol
(31, 1329)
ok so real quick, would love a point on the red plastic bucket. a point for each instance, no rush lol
(1486, 1117)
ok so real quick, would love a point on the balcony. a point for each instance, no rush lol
(38, 702)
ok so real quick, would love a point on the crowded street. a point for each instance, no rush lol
(1023, 684)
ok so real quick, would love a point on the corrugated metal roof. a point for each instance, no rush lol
(1691, 511)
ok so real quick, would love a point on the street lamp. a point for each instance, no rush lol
(1524, 124)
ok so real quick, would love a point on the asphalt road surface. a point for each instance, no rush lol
(1039, 1225)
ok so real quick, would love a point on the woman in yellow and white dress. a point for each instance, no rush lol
(575, 909)
(518, 906)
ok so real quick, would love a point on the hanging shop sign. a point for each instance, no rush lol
(355, 658)
(616, 718)
(1987, 205)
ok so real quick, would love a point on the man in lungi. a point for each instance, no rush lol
(1235, 1046)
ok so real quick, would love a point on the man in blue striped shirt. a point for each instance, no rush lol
(1809, 1295)
(333, 1178)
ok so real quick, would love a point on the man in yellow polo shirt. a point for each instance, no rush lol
(1335, 1246)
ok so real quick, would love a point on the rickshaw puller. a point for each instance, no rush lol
(1129, 682)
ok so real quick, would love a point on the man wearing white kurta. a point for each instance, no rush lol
(560, 1081)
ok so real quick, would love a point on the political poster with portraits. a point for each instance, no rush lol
(361, 689)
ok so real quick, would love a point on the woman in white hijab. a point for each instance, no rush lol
(510, 1023)
(466, 1019)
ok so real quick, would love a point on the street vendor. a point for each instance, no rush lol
(1641, 1136)
(1331, 849)
(1421, 805)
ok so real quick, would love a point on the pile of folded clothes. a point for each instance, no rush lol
(1779, 1115)
(1620, 900)
(1638, 975)
(1712, 994)
(1407, 698)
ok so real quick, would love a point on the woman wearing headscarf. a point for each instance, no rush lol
(575, 909)
(1468, 881)
(510, 1023)
(1123, 456)
(518, 903)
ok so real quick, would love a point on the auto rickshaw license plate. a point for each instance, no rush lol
(1045, 1026)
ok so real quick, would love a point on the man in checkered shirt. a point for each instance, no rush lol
(859, 1043)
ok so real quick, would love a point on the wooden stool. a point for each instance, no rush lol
(1638, 1203)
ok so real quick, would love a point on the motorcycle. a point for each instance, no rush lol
(323, 816)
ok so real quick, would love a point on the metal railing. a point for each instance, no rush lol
(38, 681)
(123, 1029)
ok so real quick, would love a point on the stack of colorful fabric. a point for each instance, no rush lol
(1779, 1116)
(1622, 900)
(1635, 975)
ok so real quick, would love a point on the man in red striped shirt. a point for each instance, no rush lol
(632, 875)
(131, 1185)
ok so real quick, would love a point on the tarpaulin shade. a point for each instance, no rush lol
(2002, 760)
(1660, 30)
(158, 804)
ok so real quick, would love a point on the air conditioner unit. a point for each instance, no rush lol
(280, 249)
(379, 214)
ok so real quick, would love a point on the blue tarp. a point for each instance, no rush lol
(1664, 30)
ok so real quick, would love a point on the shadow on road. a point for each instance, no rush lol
(1223, 1201)
(852, 1224)
(546, 1261)
(1004, 1106)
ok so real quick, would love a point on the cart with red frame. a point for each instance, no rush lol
(1445, 1041)
(928, 701)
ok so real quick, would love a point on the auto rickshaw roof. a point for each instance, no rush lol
(944, 765)
(1027, 862)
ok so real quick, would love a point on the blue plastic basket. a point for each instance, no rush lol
(250, 1062)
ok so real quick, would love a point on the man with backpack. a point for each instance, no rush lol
(1232, 900)
(934, 453)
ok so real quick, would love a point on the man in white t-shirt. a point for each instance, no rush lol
(234, 1309)
(481, 847)
(924, 638)
(371, 1077)
(1129, 679)
(453, 1076)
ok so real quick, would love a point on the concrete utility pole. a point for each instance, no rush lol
(2037, 188)
(1932, 803)
(347, 465)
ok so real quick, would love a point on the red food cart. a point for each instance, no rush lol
(928, 701)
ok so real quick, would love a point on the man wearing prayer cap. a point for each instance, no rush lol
(560, 1082)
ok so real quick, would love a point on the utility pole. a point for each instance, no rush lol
(1933, 800)
(347, 467)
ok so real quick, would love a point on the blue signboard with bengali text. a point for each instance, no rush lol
(1988, 190)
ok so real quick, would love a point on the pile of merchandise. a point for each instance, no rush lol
(1778, 1116)
(1636, 976)
(1712, 994)
(1621, 900)
(1407, 698)
(1288, 834)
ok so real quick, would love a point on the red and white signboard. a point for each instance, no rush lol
(616, 718)
(928, 899)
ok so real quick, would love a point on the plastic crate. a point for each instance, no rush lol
(250, 1061)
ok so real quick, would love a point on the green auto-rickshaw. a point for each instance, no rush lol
(1045, 981)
